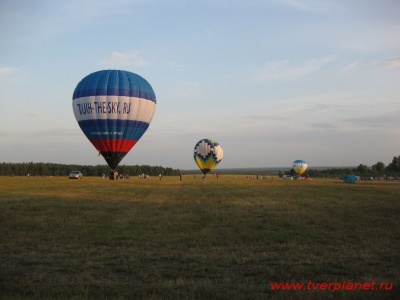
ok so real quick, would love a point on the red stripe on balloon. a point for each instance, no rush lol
(113, 145)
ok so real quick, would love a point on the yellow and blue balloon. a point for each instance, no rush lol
(299, 166)
(207, 155)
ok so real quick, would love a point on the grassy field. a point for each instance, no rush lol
(229, 238)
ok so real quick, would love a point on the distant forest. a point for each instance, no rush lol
(51, 169)
(377, 170)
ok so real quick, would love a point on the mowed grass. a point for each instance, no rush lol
(195, 239)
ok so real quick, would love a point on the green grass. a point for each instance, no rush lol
(195, 239)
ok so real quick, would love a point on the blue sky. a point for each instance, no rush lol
(271, 80)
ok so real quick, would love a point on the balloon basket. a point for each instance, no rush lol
(113, 175)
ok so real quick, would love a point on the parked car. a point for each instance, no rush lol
(287, 177)
(75, 175)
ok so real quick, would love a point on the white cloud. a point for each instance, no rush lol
(284, 70)
(131, 58)
(393, 63)
(307, 5)
(7, 70)
(349, 67)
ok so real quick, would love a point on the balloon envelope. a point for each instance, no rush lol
(114, 109)
(299, 166)
(207, 155)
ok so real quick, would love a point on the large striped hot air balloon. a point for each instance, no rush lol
(114, 109)
(207, 155)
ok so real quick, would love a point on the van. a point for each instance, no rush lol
(75, 175)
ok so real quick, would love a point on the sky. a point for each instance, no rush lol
(271, 80)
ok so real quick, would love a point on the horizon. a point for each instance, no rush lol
(195, 168)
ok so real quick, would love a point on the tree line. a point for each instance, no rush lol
(377, 170)
(52, 169)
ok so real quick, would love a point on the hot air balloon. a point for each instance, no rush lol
(299, 166)
(207, 155)
(114, 109)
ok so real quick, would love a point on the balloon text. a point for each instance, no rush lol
(103, 108)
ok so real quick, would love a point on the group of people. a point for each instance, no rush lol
(204, 176)
(144, 176)
(115, 176)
